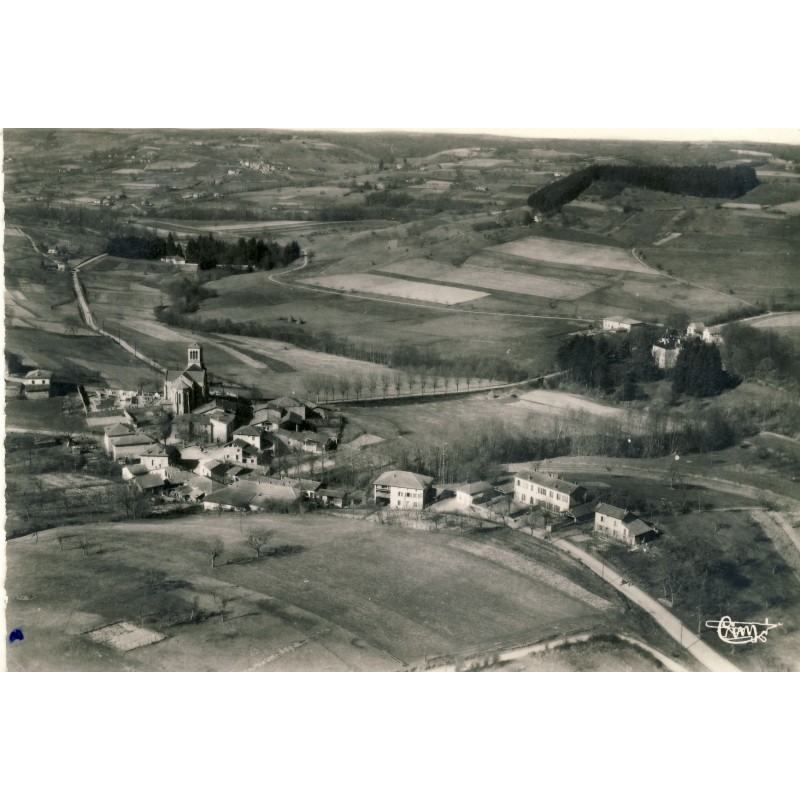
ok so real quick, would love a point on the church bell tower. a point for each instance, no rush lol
(195, 357)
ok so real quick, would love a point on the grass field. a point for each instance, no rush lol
(393, 287)
(336, 594)
(539, 248)
(783, 322)
(498, 280)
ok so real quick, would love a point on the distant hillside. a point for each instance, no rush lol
(699, 181)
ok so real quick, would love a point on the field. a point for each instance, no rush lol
(392, 287)
(783, 322)
(335, 594)
(494, 279)
(555, 251)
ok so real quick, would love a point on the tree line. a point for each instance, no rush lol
(138, 246)
(698, 181)
(208, 252)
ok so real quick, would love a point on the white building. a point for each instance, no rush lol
(619, 523)
(547, 491)
(620, 323)
(400, 489)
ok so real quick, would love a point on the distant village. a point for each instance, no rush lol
(187, 445)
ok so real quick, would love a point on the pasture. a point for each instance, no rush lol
(782, 322)
(583, 254)
(393, 287)
(329, 594)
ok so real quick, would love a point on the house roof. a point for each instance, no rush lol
(306, 485)
(247, 430)
(239, 495)
(225, 417)
(39, 373)
(137, 469)
(149, 481)
(266, 492)
(612, 511)
(155, 450)
(551, 483)
(474, 488)
(132, 439)
(332, 493)
(639, 526)
(401, 479)
(118, 430)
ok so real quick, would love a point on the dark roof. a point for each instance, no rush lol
(119, 430)
(551, 483)
(474, 488)
(39, 373)
(247, 430)
(238, 495)
(149, 481)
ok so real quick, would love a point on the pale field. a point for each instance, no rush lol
(782, 321)
(171, 165)
(491, 278)
(506, 281)
(390, 287)
(309, 361)
(561, 402)
(792, 208)
(538, 248)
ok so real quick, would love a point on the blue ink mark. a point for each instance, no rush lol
(15, 635)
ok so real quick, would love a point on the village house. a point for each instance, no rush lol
(186, 390)
(621, 524)
(230, 498)
(401, 489)
(114, 432)
(620, 323)
(249, 434)
(131, 471)
(469, 493)
(37, 384)
(152, 483)
(548, 491)
(157, 457)
(316, 442)
(338, 498)
(130, 446)
(220, 424)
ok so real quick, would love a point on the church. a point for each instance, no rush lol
(187, 390)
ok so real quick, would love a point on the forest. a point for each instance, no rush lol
(698, 181)
(209, 253)
(149, 247)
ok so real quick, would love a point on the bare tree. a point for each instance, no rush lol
(398, 382)
(423, 379)
(358, 384)
(86, 544)
(386, 379)
(215, 548)
(344, 384)
(258, 541)
(222, 604)
(434, 381)
(372, 383)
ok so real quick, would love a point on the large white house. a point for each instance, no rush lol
(400, 489)
(620, 323)
(548, 491)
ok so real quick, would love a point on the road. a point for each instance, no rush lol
(708, 657)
